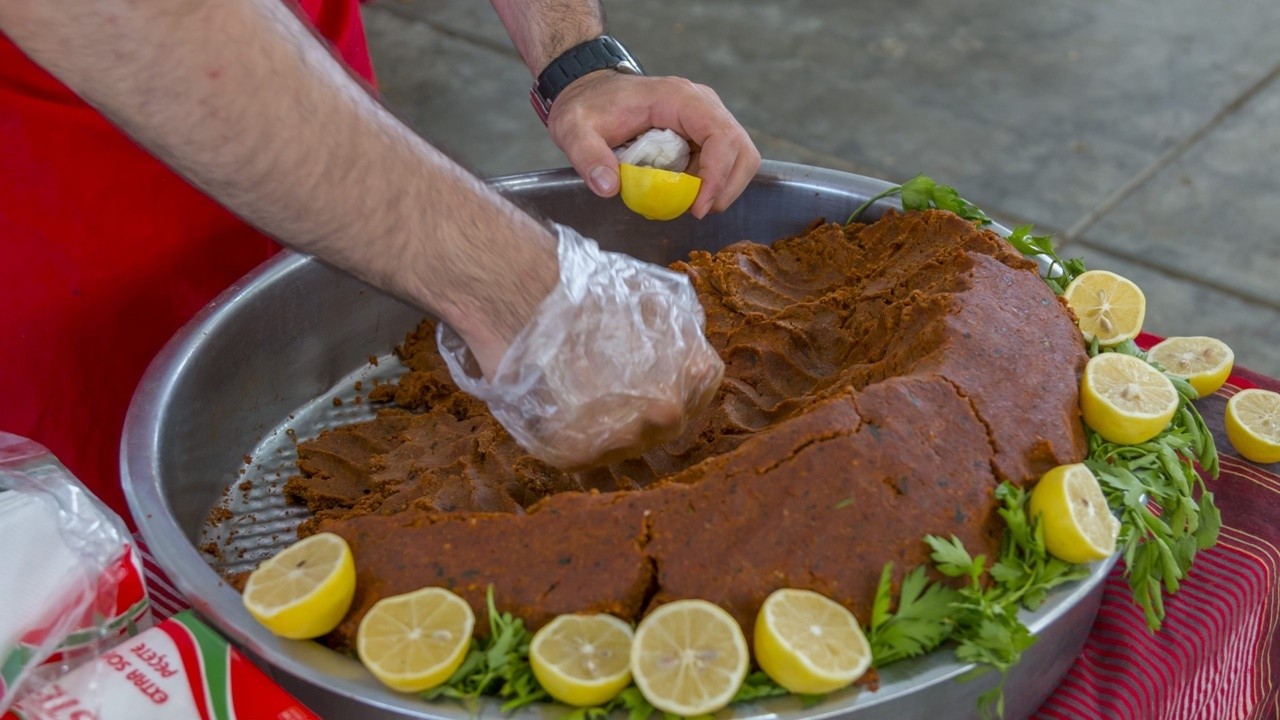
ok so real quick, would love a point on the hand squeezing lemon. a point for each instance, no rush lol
(652, 178)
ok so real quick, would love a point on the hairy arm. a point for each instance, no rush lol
(605, 109)
(242, 99)
(542, 29)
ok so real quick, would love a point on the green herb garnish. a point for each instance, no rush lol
(920, 622)
(922, 193)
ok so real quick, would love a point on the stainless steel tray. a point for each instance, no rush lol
(216, 416)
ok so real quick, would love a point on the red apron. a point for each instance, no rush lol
(104, 254)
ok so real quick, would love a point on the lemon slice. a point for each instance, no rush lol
(655, 193)
(1125, 400)
(305, 590)
(414, 642)
(582, 660)
(1107, 306)
(809, 644)
(1253, 425)
(1204, 362)
(1078, 524)
(689, 658)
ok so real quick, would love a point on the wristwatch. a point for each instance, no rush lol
(602, 53)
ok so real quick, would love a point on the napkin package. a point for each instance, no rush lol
(70, 582)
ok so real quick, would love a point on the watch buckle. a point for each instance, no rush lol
(541, 105)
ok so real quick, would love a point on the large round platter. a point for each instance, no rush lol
(215, 418)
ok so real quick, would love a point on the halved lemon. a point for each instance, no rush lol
(1204, 362)
(582, 660)
(414, 642)
(1078, 524)
(1107, 306)
(305, 590)
(689, 658)
(655, 193)
(1125, 400)
(1253, 425)
(809, 644)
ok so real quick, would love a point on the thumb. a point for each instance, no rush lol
(594, 160)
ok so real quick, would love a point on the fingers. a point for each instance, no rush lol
(607, 109)
(727, 162)
(592, 157)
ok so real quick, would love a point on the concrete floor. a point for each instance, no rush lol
(1136, 131)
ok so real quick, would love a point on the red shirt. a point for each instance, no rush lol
(104, 254)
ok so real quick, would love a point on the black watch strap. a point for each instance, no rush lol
(601, 53)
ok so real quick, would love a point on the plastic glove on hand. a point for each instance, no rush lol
(613, 362)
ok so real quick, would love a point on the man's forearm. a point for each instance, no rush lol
(542, 29)
(239, 97)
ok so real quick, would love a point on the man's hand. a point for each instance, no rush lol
(606, 109)
(614, 361)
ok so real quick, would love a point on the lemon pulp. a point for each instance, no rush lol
(414, 642)
(689, 658)
(1108, 307)
(305, 590)
(655, 193)
(1125, 400)
(582, 660)
(1204, 362)
(1253, 425)
(808, 643)
(1078, 524)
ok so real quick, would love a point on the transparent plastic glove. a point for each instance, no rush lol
(613, 361)
(663, 149)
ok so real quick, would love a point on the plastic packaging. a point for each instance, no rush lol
(663, 149)
(72, 585)
(614, 361)
(178, 670)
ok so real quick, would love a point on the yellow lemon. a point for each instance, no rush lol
(1078, 524)
(689, 658)
(1125, 400)
(655, 193)
(1253, 425)
(1204, 362)
(809, 644)
(305, 590)
(1107, 306)
(414, 642)
(582, 660)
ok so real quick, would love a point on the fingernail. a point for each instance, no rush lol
(604, 179)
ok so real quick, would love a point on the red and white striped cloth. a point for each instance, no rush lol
(1216, 657)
